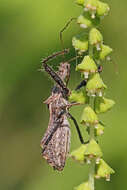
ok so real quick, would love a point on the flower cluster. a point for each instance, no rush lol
(90, 45)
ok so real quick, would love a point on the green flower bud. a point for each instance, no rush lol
(85, 21)
(99, 130)
(95, 38)
(105, 51)
(89, 117)
(95, 85)
(79, 154)
(104, 170)
(93, 150)
(102, 8)
(79, 96)
(80, 42)
(87, 66)
(83, 186)
(103, 104)
(91, 6)
(80, 2)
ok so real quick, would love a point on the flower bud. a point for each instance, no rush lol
(87, 66)
(78, 96)
(80, 42)
(93, 150)
(95, 38)
(91, 6)
(104, 170)
(102, 8)
(85, 20)
(83, 186)
(79, 154)
(89, 117)
(103, 104)
(80, 2)
(99, 130)
(105, 51)
(95, 85)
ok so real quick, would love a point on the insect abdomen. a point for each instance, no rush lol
(57, 149)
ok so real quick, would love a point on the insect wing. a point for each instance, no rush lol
(56, 151)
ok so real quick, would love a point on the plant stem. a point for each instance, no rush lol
(92, 165)
(90, 50)
(91, 175)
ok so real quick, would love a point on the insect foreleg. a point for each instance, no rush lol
(56, 78)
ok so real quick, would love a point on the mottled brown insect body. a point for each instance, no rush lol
(56, 141)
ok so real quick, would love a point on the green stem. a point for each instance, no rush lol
(90, 50)
(92, 165)
(91, 174)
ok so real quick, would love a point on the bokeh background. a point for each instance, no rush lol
(29, 31)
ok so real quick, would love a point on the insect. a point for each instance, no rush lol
(56, 141)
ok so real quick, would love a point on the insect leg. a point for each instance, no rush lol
(57, 79)
(77, 127)
(53, 130)
(82, 83)
(55, 55)
(54, 75)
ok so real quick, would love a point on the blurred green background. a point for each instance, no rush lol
(29, 31)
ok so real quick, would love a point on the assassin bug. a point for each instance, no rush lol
(56, 141)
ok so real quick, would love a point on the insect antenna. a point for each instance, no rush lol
(63, 29)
